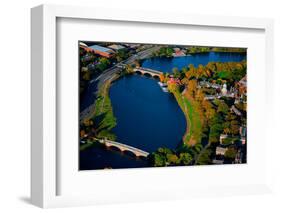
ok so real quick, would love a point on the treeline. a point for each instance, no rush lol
(229, 49)
(182, 156)
(216, 72)
(197, 49)
(163, 52)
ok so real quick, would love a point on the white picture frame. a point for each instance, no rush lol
(44, 155)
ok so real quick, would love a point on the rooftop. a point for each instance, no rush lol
(116, 46)
(100, 48)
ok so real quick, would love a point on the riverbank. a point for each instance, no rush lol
(193, 132)
(103, 113)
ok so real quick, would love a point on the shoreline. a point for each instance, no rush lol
(192, 120)
(192, 53)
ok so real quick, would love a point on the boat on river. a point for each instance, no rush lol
(163, 86)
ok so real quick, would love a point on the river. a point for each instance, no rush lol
(147, 117)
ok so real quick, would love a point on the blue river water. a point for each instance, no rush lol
(167, 64)
(147, 117)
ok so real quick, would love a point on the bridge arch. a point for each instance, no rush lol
(130, 153)
(156, 77)
(138, 72)
(113, 147)
(148, 74)
(124, 147)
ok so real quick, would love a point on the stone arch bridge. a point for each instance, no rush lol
(124, 147)
(143, 71)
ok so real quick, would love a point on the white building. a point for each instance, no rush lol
(224, 90)
(220, 150)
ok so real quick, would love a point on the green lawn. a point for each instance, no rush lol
(103, 113)
(194, 132)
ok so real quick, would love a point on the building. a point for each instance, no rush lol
(85, 47)
(243, 131)
(243, 134)
(116, 47)
(209, 85)
(220, 150)
(174, 81)
(102, 51)
(222, 137)
(211, 97)
(224, 90)
(133, 46)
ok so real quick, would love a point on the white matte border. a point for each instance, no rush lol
(47, 144)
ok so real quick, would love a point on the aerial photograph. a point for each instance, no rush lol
(161, 105)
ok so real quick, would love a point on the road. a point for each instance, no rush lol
(109, 73)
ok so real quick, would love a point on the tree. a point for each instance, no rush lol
(176, 72)
(230, 153)
(192, 87)
(172, 159)
(223, 107)
(234, 127)
(103, 64)
(185, 158)
(226, 127)
(216, 128)
(199, 95)
(162, 77)
(129, 68)
(192, 71)
(121, 55)
(205, 157)
(184, 70)
(209, 110)
(164, 150)
(158, 160)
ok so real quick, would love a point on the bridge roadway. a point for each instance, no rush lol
(124, 147)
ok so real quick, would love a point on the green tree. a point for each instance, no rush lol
(230, 153)
(103, 64)
(158, 159)
(176, 72)
(223, 107)
(234, 127)
(205, 157)
(172, 159)
(185, 158)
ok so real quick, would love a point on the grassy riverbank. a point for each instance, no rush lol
(193, 132)
(103, 114)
